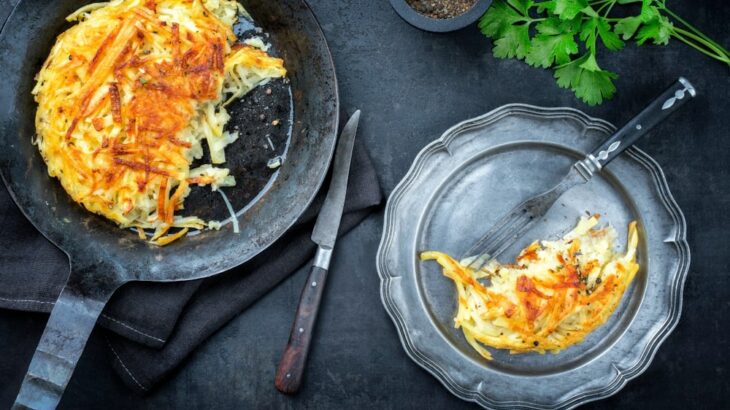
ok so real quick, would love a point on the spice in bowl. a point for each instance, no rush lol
(441, 9)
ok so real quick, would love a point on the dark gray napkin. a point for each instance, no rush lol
(157, 325)
(6, 6)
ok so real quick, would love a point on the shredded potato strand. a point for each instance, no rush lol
(555, 294)
(128, 95)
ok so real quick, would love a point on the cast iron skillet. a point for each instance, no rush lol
(102, 256)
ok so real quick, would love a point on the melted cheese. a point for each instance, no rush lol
(551, 298)
(128, 95)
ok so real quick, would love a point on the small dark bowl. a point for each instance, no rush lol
(417, 19)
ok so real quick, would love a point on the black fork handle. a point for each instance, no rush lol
(657, 111)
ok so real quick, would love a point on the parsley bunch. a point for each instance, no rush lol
(547, 34)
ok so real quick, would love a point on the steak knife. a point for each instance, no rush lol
(293, 360)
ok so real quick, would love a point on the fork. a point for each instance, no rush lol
(522, 217)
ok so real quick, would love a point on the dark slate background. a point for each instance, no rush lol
(412, 86)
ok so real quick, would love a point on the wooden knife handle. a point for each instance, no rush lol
(291, 367)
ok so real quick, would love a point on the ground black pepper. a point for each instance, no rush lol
(441, 9)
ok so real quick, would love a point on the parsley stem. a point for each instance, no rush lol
(579, 59)
(697, 47)
(703, 51)
(680, 34)
(609, 9)
(530, 20)
(702, 41)
(607, 3)
(694, 29)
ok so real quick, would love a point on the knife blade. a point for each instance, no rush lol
(328, 221)
(291, 366)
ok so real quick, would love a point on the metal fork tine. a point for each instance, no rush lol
(503, 242)
(490, 235)
(515, 223)
(489, 242)
(517, 234)
(508, 239)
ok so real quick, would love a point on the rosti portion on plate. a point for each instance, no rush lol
(555, 294)
(129, 95)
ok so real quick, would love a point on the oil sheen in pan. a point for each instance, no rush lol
(263, 119)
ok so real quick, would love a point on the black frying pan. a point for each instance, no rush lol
(102, 256)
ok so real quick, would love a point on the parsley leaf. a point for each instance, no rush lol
(546, 6)
(509, 24)
(523, 6)
(588, 32)
(626, 27)
(587, 80)
(656, 28)
(568, 9)
(546, 50)
(597, 27)
(648, 12)
(514, 42)
(499, 18)
(608, 37)
(554, 43)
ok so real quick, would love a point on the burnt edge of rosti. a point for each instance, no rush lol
(676, 284)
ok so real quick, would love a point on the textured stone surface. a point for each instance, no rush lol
(411, 87)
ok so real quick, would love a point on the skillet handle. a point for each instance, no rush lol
(69, 326)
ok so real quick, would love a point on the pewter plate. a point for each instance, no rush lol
(460, 184)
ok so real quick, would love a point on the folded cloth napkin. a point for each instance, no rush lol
(155, 326)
